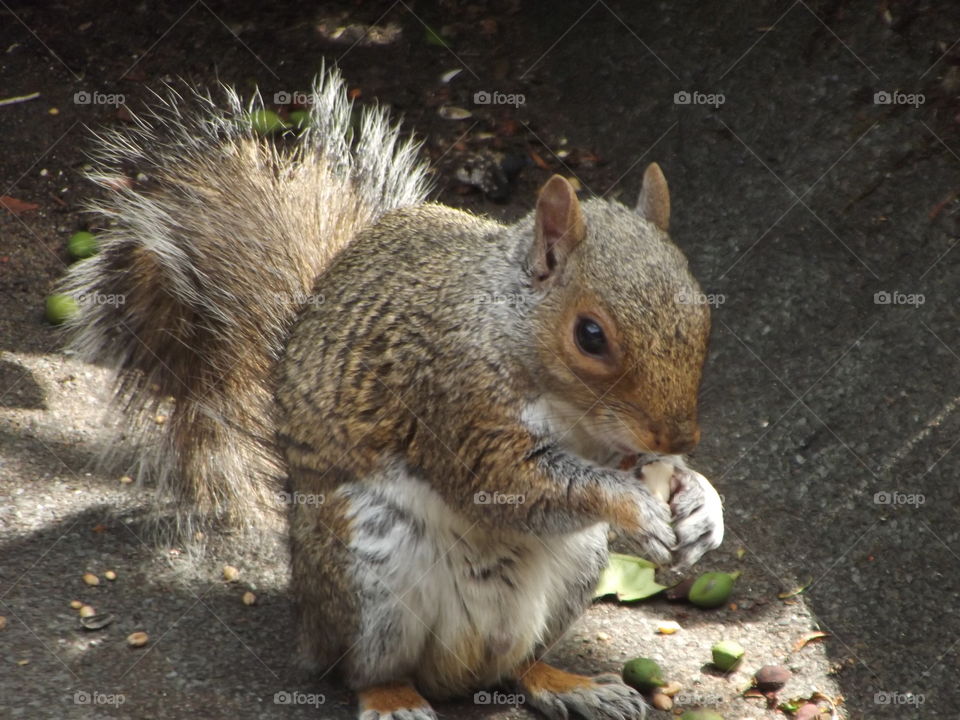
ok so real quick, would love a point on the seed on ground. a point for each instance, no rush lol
(91, 579)
(668, 627)
(661, 701)
(110, 575)
(249, 598)
(671, 688)
(87, 611)
(137, 639)
(76, 604)
(230, 573)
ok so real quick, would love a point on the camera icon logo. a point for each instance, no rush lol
(882, 97)
(282, 98)
(882, 298)
(481, 97)
(82, 98)
(883, 498)
(682, 98)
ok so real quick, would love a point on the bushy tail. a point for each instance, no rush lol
(206, 263)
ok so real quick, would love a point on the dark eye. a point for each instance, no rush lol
(590, 337)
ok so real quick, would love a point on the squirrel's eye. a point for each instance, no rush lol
(590, 337)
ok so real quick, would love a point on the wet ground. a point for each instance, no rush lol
(813, 154)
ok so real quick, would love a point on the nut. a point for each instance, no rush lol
(137, 639)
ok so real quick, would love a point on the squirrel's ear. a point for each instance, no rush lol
(654, 203)
(558, 228)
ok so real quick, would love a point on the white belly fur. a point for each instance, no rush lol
(459, 605)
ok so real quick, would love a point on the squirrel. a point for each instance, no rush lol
(454, 411)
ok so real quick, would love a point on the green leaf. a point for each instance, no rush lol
(629, 578)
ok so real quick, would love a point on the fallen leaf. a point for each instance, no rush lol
(795, 591)
(16, 206)
(539, 161)
(450, 112)
(629, 578)
(808, 637)
(938, 208)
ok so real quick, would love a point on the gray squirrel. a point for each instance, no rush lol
(455, 410)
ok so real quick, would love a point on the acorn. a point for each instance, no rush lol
(265, 122)
(711, 589)
(771, 678)
(727, 654)
(82, 245)
(643, 674)
(60, 308)
(701, 715)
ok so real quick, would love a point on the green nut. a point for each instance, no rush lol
(643, 674)
(727, 654)
(265, 122)
(711, 589)
(299, 118)
(701, 715)
(60, 308)
(82, 245)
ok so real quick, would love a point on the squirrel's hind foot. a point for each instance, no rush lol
(394, 702)
(560, 695)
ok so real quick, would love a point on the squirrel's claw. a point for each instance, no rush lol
(604, 697)
(697, 517)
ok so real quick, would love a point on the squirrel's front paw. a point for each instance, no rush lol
(697, 516)
(560, 695)
(653, 530)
